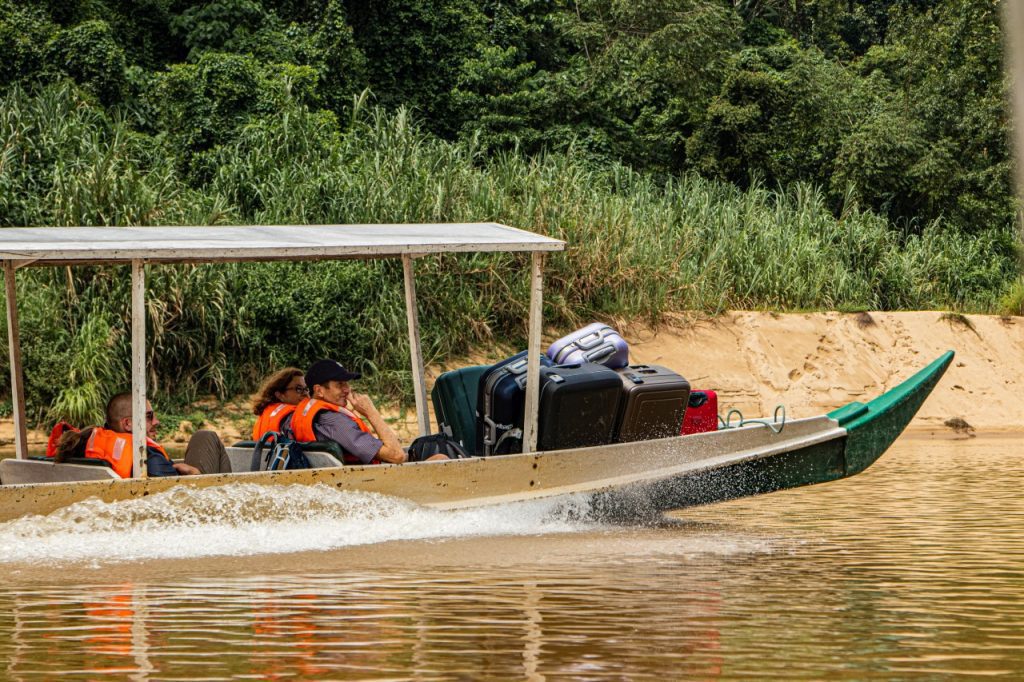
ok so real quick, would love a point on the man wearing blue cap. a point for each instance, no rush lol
(334, 412)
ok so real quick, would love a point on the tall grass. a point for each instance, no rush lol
(636, 247)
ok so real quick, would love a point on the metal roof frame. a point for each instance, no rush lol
(138, 246)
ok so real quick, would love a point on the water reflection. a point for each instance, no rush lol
(915, 568)
(326, 628)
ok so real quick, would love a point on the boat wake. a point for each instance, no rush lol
(246, 519)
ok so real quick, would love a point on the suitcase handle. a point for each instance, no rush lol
(591, 340)
(490, 431)
(601, 354)
(516, 434)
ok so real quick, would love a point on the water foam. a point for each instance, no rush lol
(246, 519)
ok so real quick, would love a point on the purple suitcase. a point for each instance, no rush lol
(596, 343)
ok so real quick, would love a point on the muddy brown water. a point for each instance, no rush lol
(912, 570)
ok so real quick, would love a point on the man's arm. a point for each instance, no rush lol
(391, 451)
(157, 465)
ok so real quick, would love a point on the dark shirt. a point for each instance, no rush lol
(158, 465)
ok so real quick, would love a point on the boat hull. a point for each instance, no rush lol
(625, 479)
(868, 430)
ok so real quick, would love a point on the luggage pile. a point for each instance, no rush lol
(589, 395)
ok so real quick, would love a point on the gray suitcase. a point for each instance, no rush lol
(596, 342)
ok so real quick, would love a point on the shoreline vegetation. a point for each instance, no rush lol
(800, 165)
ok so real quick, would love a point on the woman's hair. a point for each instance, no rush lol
(72, 444)
(276, 382)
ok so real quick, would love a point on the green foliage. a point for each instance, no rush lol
(503, 100)
(1012, 303)
(883, 157)
(219, 25)
(641, 75)
(780, 116)
(331, 49)
(415, 49)
(86, 388)
(24, 33)
(952, 102)
(205, 104)
(90, 55)
(900, 103)
(77, 166)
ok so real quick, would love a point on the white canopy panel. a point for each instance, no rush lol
(81, 245)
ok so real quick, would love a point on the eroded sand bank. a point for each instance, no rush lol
(815, 362)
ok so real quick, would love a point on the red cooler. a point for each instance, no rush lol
(701, 413)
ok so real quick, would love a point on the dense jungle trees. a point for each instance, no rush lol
(899, 103)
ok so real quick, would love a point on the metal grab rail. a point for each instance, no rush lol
(776, 424)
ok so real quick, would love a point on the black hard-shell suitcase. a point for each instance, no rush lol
(578, 406)
(500, 406)
(653, 403)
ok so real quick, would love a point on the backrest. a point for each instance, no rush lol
(320, 454)
(17, 471)
(240, 455)
(320, 459)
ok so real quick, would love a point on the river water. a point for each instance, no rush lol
(914, 569)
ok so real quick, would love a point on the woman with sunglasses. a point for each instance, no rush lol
(276, 399)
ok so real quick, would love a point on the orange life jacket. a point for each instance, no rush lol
(116, 448)
(59, 430)
(271, 419)
(307, 410)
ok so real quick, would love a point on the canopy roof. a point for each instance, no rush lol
(84, 245)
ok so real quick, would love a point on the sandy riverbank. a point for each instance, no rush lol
(815, 362)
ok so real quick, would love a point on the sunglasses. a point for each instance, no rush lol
(150, 416)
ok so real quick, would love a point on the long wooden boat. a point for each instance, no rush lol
(620, 480)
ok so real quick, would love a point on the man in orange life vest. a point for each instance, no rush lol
(205, 453)
(334, 412)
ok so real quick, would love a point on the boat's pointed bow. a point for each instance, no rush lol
(872, 427)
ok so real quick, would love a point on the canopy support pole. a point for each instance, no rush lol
(17, 380)
(1013, 58)
(419, 385)
(139, 368)
(532, 407)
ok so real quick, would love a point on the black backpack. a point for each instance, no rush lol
(282, 453)
(435, 444)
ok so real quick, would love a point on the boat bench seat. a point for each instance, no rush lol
(320, 455)
(15, 471)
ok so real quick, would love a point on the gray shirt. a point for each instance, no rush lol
(341, 429)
